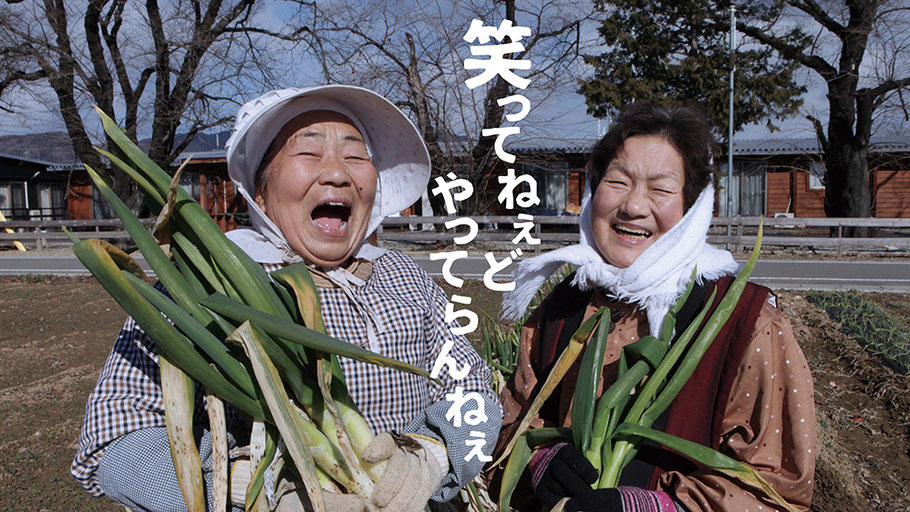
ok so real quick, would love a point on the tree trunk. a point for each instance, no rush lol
(847, 192)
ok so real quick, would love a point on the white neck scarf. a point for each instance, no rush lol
(654, 280)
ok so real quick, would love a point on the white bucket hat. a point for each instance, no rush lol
(398, 152)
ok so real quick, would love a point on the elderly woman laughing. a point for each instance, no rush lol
(645, 217)
(320, 168)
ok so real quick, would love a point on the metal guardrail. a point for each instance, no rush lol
(733, 232)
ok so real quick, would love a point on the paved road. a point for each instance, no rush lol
(893, 276)
(776, 274)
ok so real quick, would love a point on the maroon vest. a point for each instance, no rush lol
(698, 417)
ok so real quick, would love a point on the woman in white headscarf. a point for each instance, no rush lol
(319, 168)
(645, 215)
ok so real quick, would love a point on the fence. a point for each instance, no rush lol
(42, 233)
(732, 232)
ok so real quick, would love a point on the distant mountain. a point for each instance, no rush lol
(49, 147)
(56, 146)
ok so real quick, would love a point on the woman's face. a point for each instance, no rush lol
(320, 186)
(639, 198)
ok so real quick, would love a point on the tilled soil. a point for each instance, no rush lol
(863, 413)
(57, 332)
(55, 336)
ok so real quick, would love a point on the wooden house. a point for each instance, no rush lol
(771, 177)
(33, 189)
(786, 177)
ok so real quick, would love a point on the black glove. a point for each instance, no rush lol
(562, 472)
(601, 500)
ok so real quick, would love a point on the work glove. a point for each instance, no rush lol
(561, 471)
(599, 500)
(416, 465)
(290, 496)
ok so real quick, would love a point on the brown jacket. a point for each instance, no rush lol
(768, 422)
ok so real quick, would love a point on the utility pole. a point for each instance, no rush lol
(730, 122)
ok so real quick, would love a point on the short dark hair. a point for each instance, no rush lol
(685, 127)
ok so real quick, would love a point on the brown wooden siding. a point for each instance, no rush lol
(808, 202)
(890, 193)
(778, 193)
(576, 191)
(79, 201)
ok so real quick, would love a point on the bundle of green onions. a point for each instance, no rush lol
(610, 430)
(254, 340)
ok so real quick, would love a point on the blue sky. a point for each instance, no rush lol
(564, 111)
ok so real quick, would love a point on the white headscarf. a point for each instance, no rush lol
(653, 281)
(396, 148)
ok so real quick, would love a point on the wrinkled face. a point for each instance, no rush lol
(320, 186)
(639, 199)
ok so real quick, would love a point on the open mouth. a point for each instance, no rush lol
(332, 216)
(630, 232)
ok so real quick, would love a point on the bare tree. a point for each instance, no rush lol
(170, 67)
(861, 49)
(415, 56)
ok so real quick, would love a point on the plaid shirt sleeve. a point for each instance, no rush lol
(440, 417)
(411, 307)
(127, 397)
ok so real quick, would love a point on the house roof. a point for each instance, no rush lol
(215, 154)
(562, 145)
(810, 146)
(24, 159)
(746, 147)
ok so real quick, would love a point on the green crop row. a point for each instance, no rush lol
(878, 331)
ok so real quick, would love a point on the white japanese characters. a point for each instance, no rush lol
(467, 409)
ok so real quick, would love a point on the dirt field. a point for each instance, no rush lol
(56, 334)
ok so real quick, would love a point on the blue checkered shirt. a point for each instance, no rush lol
(127, 396)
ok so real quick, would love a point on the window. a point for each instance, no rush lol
(52, 201)
(190, 183)
(745, 194)
(18, 206)
(5, 203)
(552, 185)
(100, 208)
(816, 176)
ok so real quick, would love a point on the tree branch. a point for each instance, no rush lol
(293, 36)
(16, 76)
(884, 87)
(819, 132)
(812, 8)
(789, 51)
(103, 86)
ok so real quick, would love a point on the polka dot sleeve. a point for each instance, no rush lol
(518, 393)
(769, 424)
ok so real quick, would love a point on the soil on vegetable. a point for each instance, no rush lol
(57, 332)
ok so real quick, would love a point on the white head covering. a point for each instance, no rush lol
(396, 147)
(653, 281)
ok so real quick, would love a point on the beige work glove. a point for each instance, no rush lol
(416, 465)
(290, 497)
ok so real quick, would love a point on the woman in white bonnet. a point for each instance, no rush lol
(647, 209)
(320, 168)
